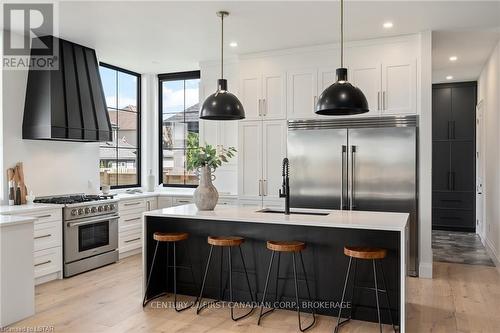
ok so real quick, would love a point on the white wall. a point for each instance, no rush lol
(489, 94)
(425, 155)
(50, 167)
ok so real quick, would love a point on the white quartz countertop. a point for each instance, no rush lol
(33, 207)
(333, 219)
(9, 220)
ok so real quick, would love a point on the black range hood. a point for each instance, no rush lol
(67, 103)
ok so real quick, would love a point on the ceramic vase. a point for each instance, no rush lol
(206, 195)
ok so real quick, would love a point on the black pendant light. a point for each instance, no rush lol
(341, 98)
(222, 105)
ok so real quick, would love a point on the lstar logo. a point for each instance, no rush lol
(31, 21)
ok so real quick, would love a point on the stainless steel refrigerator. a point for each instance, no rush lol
(367, 164)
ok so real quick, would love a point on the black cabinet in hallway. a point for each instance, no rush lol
(453, 156)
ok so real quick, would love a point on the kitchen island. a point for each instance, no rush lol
(325, 232)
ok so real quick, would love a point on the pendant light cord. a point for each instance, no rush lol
(342, 33)
(222, 47)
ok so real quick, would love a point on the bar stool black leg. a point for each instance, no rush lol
(261, 314)
(376, 294)
(145, 300)
(387, 296)
(200, 298)
(276, 300)
(339, 323)
(231, 286)
(297, 295)
(353, 288)
(175, 285)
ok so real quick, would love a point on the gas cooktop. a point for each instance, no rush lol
(72, 199)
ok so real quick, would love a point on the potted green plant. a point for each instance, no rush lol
(205, 160)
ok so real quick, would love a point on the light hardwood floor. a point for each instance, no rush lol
(460, 298)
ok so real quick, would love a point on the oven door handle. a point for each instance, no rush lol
(95, 220)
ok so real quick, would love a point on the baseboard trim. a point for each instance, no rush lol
(491, 252)
(425, 270)
(129, 253)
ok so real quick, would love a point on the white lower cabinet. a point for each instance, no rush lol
(179, 201)
(164, 202)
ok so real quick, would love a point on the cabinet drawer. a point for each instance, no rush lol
(127, 205)
(130, 221)
(47, 235)
(227, 202)
(44, 216)
(182, 201)
(453, 219)
(462, 200)
(129, 240)
(47, 261)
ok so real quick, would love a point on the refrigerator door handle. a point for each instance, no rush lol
(342, 185)
(351, 192)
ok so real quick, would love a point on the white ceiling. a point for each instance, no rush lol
(163, 36)
(472, 48)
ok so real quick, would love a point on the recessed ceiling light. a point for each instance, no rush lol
(233, 44)
(388, 25)
(449, 77)
(453, 58)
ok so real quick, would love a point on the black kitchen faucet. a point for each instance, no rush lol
(285, 187)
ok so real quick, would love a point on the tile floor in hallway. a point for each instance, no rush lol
(459, 247)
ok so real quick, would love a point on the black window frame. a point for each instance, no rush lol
(188, 75)
(138, 106)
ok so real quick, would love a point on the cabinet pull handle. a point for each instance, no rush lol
(43, 236)
(384, 100)
(260, 187)
(43, 263)
(132, 240)
(378, 100)
(134, 219)
(264, 187)
(264, 107)
(260, 107)
(131, 204)
(43, 216)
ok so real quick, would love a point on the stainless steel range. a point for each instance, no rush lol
(90, 231)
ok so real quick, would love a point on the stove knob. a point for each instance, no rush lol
(87, 210)
(80, 211)
(111, 207)
(74, 212)
(106, 207)
(93, 209)
(100, 208)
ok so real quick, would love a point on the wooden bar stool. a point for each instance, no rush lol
(225, 242)
(292, 247)
(365, 253)
(168, 238)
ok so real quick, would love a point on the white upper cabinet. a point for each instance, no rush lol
(368, 78)
(302, 93)
(251, 96)
(274, 134)
(263, 95)
(273, 96)
(250, 159)
(399, 82)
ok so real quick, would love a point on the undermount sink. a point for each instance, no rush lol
(292, 212)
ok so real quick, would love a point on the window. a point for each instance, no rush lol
(179, 130)
(120, 159)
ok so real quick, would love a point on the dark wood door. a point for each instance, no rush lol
(441, 113)
(441, 166)
(463, 115)
(462, 166)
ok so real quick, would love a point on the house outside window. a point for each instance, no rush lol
(120, 158)
(179, 126)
